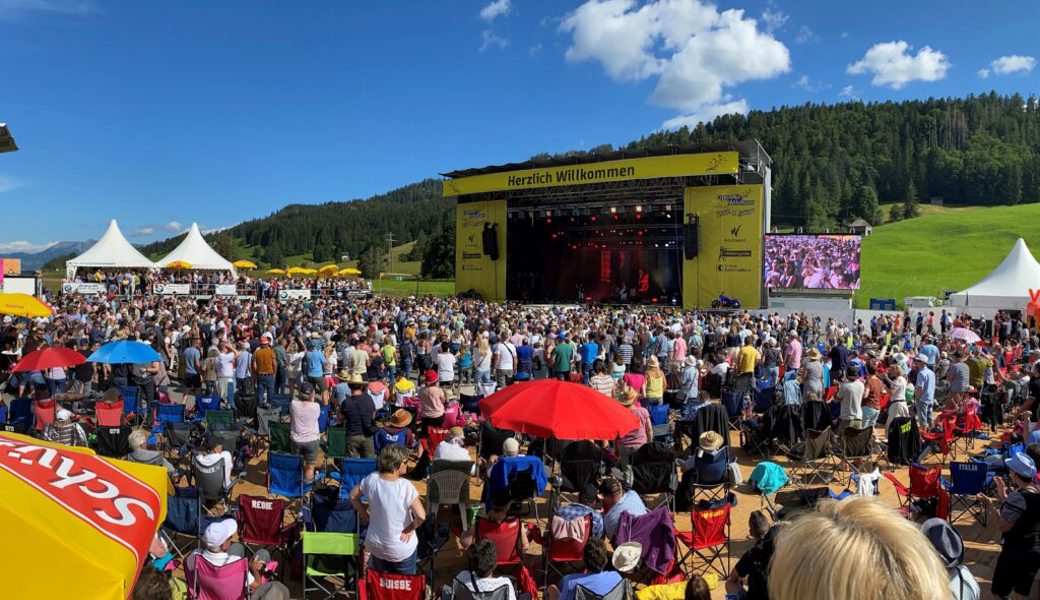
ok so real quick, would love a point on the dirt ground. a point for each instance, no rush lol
(981, 542)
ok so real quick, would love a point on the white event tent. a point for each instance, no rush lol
(112, 251)
(1007, 287)
(196, 252)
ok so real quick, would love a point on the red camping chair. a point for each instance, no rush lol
(45, 411)
(506, 537)
(710, 536)
(261, 523)
(559, 552)
(925, 483)
(392, 586)
(943, 438)
(108, 414)
(967, 427)
(434, 436)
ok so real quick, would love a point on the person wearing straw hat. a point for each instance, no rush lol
(635, 439)
(595, 579)
(950, 547)
(1018, 521)
(358, 411)
(452, 447)
(812, 373)
(397, 431)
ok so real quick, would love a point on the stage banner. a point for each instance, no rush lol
(651, 167)
(293, 294)
(729, 260)
(173, 289)
(225, 289)
(83, 288)
(481, 226)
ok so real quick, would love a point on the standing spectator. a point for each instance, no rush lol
(482, 361)
(305, 432)
(226, 371)
(793, 353)
(873, 388)
(850, 394)
(358, 412)
(588, 351)
(655, 384)
(812, 374)
(431, 402)
(395, 510)
(747, 358)
(243, 372)
(209, 372)
(314, 362)
(504, 362)
(601, 382)
(445, 361)
(1018, 521)
(561, 358)
(192, 360)
(265, 366)
(924, 391)
(958, 377)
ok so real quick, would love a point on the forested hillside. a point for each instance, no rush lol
(832, 164)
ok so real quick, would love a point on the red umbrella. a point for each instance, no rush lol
(551, 408)
(49, 358)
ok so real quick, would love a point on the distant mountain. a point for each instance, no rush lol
(32, 261)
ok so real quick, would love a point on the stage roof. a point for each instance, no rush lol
(748, 149)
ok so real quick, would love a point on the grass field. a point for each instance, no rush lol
(944, 248)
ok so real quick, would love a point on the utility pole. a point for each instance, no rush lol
(390, 252)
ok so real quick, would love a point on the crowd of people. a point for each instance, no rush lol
(131, 282)
(401, 377)
(829, 262)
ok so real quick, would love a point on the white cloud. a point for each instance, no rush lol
(805, 35)
(708, 114)
(844, 35)
(11, 8)
(173, 226)
(9, 182)
(143, 231)
(894, 66)
(806, 83)
(490, 39)
(695, 52)
(24, 246)
(774, 18)
(535, 50)
(1015, 63)
(495, 9)
(984, 73)
(848, 92)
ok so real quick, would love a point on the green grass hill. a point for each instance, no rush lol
(944, 248)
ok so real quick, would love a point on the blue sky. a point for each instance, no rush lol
(160, 113)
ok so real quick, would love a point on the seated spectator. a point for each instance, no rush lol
(950, 546)
(64, 431)
(583, 507)
(397, 431)
(139, 452)
(481, 559)
(793, 391)
(220, 550)
(595, 578)
(615, 501)
(823, 554)
(753, 567)
(452, 447)
(697, 589)
(212, 451)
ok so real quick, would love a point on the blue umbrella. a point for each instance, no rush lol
(124, 352)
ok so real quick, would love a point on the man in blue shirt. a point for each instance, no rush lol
(589, 351)
(314, 366)
(192, 365)
(924, 390)
(930, 350)
(594, 579)
(615, 502)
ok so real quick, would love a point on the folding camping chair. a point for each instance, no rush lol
(854, 447)
(108, 414)
(733, 403)
(431, 536)
(967, 428)
(392, 586)
(967, 481)
(659, 420)
(710, 536)
(169, 413)
(131, 406)
(176, 437)
(469, 591)
(434, 436)
(335, 445)
(280, 437)
(816, 416)
(523, 487)
(505, 535)
(581, 463)
(653, 472)
(208, 582)
(942, 438)
(20, 416)
(710, 474)
(351, 472)
(621, 591)
(281, 402)
(655, 532)
(44, 413)
(925, 484)
(903, 443)
(261, 522)
(204, 404)
(183, 519)
(319, 551)
(246, 404)
(219, 419)
(264, 418)
(383, 438)
(210, 481)
(560, 551)
(814, 454)
(285, 475)
(113, 442)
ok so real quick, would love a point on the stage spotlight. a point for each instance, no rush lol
(613, 210)
(639, 208)
(668, 208)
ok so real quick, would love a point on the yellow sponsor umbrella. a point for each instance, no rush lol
(328, 270)
(309, 271)
(275, 272)
(244, 264)
(178, 264)
(349, 271)
(297, 271)
(24, 305)
(93, 516)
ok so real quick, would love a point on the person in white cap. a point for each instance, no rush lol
(219, 550)
(64, 431)
(924, 390)
(1018, 521)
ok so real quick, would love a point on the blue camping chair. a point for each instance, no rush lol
(331, 514)
(968, 480)
(659, 420)
(129, 393)
(323, 418)
(20, 417)
(204, 403)
(169, 413)
(382, 438)
(733, 402)
(282, 401)
(764, 398)
(711, 474)
(285, 475)
(351, 472)
(183, 519)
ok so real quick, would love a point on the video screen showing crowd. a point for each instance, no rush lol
(815, 262)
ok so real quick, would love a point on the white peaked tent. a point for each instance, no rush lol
(196, 252)
(112, 251)
(1007, 287)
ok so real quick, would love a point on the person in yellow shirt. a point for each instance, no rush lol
(747, 358)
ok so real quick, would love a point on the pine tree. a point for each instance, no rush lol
(895, 213)
(910, 208)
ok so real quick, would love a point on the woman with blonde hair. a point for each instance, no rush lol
(855, 549)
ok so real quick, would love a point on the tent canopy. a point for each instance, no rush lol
(112, 251)
(196, 252)
(1007, 287)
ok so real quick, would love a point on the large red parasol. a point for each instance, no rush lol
(49, 358)
(550, 408)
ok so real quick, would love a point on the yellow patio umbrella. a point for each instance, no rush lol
(24, 305)
(275, 272)
(309, 271)
(178, 264)
(328, 270)
(94, 516)
(244, 264)
(296, 271)
(350, 271)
